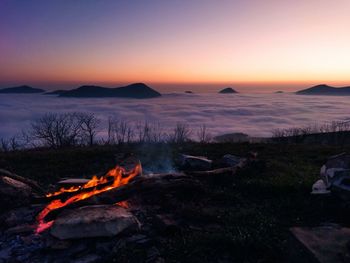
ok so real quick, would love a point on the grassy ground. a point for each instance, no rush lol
(244, 218)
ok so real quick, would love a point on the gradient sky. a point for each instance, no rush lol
(257, 43)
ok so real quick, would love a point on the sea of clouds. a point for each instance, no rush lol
(254, 114)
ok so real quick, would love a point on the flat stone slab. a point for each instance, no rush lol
(73, 182)
(189, 162)
(93, 221)
(326, 243)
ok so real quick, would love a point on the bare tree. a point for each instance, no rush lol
(11, 144)
(157, 133)
(333, 132)
(119, 131)
(89, 124)
(14, 143)
(57, 130)
(278, 133)
(181, 133)
(203, 135)
(4, 145)
(122, 131)
(150, 132)
(110, 132)
(142, 131)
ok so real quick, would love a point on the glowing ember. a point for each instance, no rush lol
(123, 204)
(116, 176)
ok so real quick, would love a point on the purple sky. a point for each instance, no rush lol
(251, 45)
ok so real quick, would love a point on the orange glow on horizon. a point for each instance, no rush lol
(234, 41)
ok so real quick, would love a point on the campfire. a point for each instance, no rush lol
(114, 178)
(122, 204)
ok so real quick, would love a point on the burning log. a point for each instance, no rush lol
(100, 181)
(65, 193)
(235, 163)
(118, 175)
(158, 183)
(34, 185)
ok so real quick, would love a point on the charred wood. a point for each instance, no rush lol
(157, 184)
(34, 185)
(227, 170)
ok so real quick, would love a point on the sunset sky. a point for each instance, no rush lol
(271, 43)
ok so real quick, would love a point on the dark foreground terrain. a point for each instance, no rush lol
(231, 218)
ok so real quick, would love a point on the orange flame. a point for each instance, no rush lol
(92, 183)
(118, 174)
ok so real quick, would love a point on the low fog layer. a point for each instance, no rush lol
(254, 114)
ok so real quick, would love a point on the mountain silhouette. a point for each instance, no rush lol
(136, 90)
(324, 89)
(21, 89)
(55, 92)
(228, 90)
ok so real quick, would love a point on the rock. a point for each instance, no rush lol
(336, 166)
(21, 229)
(56, 244)
(19, 216)
(93, 221)
(78, 248)
(325, 243)
(340, 161)
(341, 187)
(199, 163)
(139, 240)
(229, 160)
(104, 247)
(14, 193)
(166, 223)
(90, 258)
(5, 254)
(119, 246)
(153, 256)
(319, 187)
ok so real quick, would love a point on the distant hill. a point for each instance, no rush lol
(189, 91)
(232, 137)
(324, 89)
(55, 92)
(136, 90)
(228, 90)
(279, 91)
(21, 89)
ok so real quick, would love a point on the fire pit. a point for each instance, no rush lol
(92, 219)
(113, 179)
